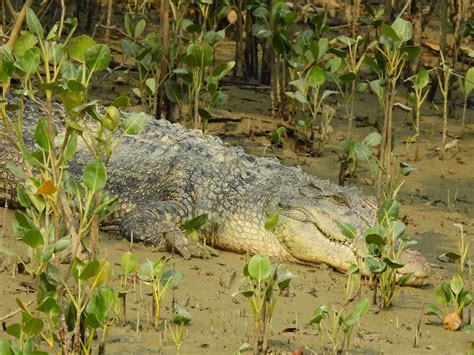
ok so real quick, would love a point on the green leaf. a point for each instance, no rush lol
(128, 262)
(378, 87)
(48, 304)
(171, 278)
(406, 278)
(277, 134)
(222, 69)
(90, 270)
(33, 23)
(25, 41)
(407, 168)
(259, 268)
(393, 264)
(411, 52)
(272, 221)
(373, 139)
(6, 346)
(14, 330)
(33, 326)
(180, 316)
(403, 29)
(261, 13)
(151, 85)
(398, 228)
(127, 25)
(320, 314)
(16, 170)
(97, 57)
(421, 79)
(121, 101)
(95, 175)
(374, 265)
(6, 64)
(315, 77)
(283, 279)
(390, 32)
(130, 48)
(172, 91)
(78, 47)
(360, 308)
(388, 211)
(103, 274)
(346, 40)
(433, 310)
(456, 284)
(135, 122)
(29, 61)
(372, 237)
(196, 223)
(469, 81)
(452, 256)
(75, 85)
(139, 28)
(348, 77)
(213, 37)
(443, 294)
(347, 229)
(362, 152)
(204, 114)
(62, 244)
(33, 238)
(41, 134)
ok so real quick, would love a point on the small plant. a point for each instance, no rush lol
(278, 134)
(453, 295)
(160, 281)
(339, 321)
(354, 153)
(266, 282)
(129, 266)
(420, 81)
(348, 73)
(467, 85)
(146, 53)
(391, 55)
(197, 72)
(385, 246)
(444, 76)
(454, 298)
(180, 318)
(307, 93)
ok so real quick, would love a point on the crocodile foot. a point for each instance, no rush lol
(150, 226)
(187, 248)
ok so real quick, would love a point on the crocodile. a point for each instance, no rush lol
(168, 174)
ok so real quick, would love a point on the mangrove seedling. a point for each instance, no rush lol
(160, 281)
(180, 318)
(467, 85)
(335, 321)
(454, 296)
(266, 282)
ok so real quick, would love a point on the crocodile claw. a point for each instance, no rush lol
(186, 247)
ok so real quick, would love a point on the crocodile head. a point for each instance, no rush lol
(308, 227)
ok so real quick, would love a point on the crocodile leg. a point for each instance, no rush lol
(159, 223)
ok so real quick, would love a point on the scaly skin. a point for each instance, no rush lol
(167, 175)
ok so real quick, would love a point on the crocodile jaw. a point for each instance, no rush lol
(309, 242)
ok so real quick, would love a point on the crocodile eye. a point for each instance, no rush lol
(341, 199)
